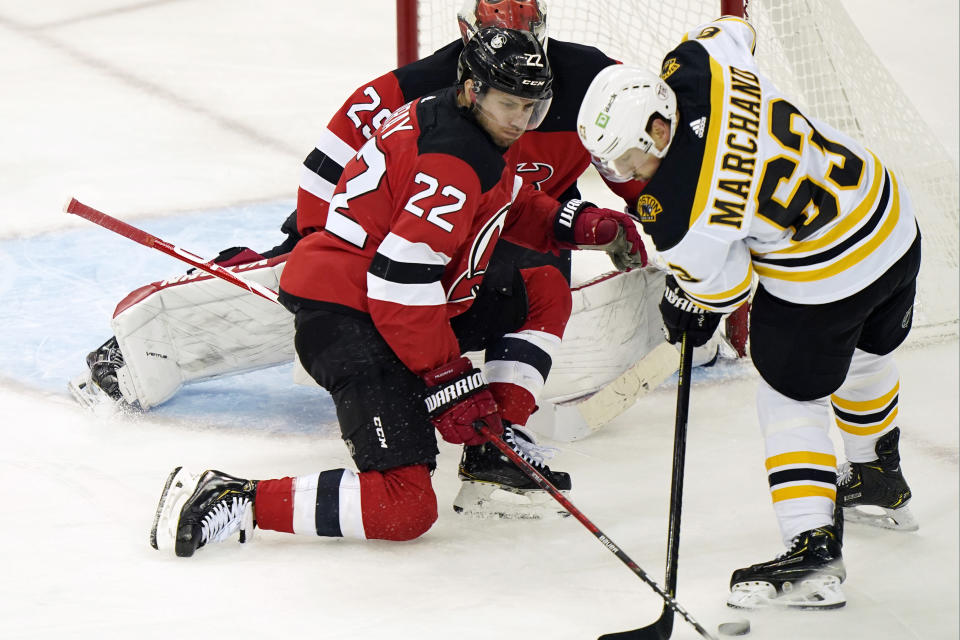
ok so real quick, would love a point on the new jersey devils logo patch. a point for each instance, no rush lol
(535, 173)
(467, 284)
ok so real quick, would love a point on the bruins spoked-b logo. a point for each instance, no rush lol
(669, 66)
(708, 33)
(648, 208)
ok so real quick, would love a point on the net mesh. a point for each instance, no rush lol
(815, 54)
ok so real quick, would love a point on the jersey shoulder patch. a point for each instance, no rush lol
(686, 70)
(445, 129)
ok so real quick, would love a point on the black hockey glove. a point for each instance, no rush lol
(681, 314)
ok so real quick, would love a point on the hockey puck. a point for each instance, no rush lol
(739, 627)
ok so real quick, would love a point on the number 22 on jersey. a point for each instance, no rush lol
(347, 229)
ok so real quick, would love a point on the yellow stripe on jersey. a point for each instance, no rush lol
(803, 491)
(861, 430)
(714, 126)
(866, 405)
(846, 224)
(802, 457)
(728, 294)
(852, 258)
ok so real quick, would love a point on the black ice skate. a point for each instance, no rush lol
(99, 385)
(197, 509)
(876, 493)
(806, 576)
(493, 486)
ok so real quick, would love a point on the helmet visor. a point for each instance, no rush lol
(512, 112)
(608, 169)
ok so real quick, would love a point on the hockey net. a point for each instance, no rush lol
(814, 53)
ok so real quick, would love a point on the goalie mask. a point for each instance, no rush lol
(522, 15)
(511, 78)
(616, 112)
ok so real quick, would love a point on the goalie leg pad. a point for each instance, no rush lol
(197, 327)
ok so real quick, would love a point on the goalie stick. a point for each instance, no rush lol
(148, 240)
(669, 601)
(662, 627)
(621, 393)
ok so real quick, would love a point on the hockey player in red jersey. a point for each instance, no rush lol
(549, 159)
(406, 241)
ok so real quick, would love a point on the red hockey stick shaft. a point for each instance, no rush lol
(148, 240)
(544, 484)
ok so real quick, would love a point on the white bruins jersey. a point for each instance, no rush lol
(751, 185)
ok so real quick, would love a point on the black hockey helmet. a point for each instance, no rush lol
(508, 60)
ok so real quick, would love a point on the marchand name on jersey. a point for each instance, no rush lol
(739, 150)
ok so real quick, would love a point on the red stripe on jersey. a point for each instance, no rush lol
(311, 212)
(530, 222)
(273, 505)
(398, 504)
(421, 336)
(515, 403)
(549, 300)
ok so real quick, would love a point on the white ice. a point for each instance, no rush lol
(161, 107)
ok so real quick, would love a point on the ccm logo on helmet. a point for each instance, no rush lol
(534, 83)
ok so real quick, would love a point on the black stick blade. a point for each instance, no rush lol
(662, 629)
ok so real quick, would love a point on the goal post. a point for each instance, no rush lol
(814, 53)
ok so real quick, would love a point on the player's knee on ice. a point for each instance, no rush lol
(398, 504)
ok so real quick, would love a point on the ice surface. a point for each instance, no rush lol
(202, 112)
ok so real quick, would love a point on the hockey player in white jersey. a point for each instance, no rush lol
(743, 187)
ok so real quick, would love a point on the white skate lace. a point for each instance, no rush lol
(844, 474)
(224, 519)
(793, 547)
(522, 442)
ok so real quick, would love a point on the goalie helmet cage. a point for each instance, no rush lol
(814, 53)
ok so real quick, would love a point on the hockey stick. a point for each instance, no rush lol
(611, 546)
(621, 393)
(662, 627)
(142, 237)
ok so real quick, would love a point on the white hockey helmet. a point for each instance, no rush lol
(616, 110)
(522, 15)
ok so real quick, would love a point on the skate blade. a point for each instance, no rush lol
(85, 392)
(489, 500)
(818, 592)
(179, 487)
(901, 519)
(88, 395)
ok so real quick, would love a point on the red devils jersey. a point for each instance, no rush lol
(411, 226)
(549, 159)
